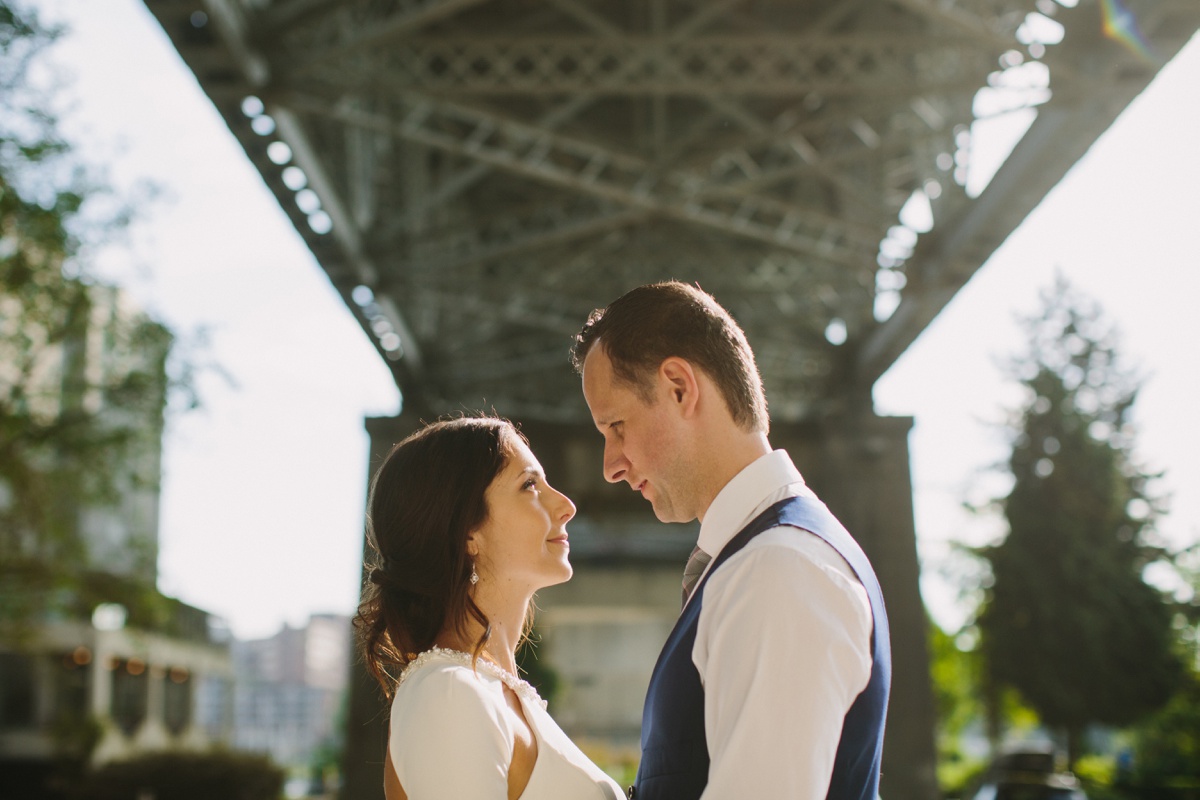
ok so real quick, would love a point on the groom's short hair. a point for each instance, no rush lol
(645, 326)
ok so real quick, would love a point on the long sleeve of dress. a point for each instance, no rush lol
(450, 736)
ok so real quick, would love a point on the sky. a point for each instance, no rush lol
(264, 485)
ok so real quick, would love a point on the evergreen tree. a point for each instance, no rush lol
(1069, 620)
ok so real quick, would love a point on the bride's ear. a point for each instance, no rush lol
(473, 544)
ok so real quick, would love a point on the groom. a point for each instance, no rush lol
(774, 682)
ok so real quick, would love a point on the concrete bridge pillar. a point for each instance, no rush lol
(859, 465)
(367, 713)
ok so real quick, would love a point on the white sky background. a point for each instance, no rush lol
(263, 489)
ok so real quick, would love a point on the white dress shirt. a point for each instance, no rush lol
(783, 645)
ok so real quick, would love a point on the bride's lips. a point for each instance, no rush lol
(560, 540)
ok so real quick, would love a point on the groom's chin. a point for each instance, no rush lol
(670, 514)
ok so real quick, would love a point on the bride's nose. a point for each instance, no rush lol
(566, 509)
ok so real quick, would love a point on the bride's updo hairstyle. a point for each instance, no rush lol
(425, 499)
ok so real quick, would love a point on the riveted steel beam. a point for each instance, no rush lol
(455, 185)
(862, 65)
(544, 157)
(523, 237)
(377, 25)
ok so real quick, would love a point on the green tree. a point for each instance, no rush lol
(82, 380)
(1166, 745)
(1069, 620)
(966, 708)
(954, 672)
(540, 675)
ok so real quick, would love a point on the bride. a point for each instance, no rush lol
(465, 529)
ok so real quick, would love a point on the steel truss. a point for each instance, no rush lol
(476, 175)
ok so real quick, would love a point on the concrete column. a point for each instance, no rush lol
(100, 694)
(367, 718)
(154, 727)
(859, 465)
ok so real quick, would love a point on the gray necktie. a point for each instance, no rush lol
(696, 563)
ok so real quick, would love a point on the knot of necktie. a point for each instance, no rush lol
(692, 571)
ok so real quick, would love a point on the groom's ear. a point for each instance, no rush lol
(678, 377)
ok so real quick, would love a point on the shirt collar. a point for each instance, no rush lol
(735, 504)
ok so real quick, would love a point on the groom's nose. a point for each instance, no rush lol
(615, 463)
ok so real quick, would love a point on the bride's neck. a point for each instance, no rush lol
(508, 621)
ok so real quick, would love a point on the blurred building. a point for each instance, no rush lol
(123, 691)
(290, 689)
(95, 663)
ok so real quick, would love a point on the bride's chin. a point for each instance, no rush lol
(563, 575)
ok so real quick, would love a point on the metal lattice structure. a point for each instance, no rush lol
(476, 175)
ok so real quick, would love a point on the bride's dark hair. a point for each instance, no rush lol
(425, 499)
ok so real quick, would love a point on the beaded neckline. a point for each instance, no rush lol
(519, 687)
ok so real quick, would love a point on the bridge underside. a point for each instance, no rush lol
(476, 175)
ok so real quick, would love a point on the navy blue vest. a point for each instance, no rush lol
(675, 757)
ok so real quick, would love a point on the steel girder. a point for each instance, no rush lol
(476, 175)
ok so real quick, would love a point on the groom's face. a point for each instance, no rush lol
(641, 445)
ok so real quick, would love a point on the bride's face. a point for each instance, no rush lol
(522, 545)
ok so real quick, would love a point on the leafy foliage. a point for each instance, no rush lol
(954, 673)
(1069, 620)
(965, 708)
(1167, 745)
(185, 776)
(82, 380)
(540, 675)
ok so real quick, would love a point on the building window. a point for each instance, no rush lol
(16, 691)
(177, 699)
(214, 706)
(71, 696)
(130, 694)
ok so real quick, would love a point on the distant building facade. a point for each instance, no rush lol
(290, 689)
(102, 666)
(116, 693)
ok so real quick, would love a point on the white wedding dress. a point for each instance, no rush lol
(452, 736)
